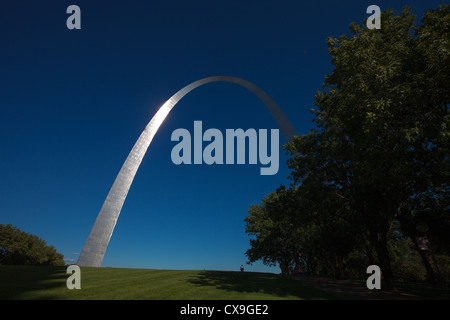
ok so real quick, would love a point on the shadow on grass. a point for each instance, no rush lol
(21, 282)
(277, 286)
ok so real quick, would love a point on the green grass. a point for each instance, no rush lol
(421, 289)
(424, 289)
(28, 282)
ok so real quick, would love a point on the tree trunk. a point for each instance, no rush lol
(384, 261)
(427, 265)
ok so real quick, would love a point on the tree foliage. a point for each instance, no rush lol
(20, 248)
(380, 148)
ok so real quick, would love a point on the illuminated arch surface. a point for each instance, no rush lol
(98, 239)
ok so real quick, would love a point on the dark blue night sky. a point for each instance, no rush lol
(73, 103)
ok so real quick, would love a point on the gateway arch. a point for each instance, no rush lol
(98, 239)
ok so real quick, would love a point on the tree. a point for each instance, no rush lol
(21, 248)
(382, 135)
(275, 235)
(295, 228)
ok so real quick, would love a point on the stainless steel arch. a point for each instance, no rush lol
(98, 239)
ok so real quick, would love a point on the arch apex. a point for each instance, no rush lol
(98, 239)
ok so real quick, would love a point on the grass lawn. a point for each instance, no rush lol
(30, 282)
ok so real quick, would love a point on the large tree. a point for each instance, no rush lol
(382, 136)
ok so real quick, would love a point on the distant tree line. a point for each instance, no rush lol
(20, 248)
(376, 165)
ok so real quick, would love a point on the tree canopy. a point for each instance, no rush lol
(20, 248)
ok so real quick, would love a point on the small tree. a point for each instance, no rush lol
(20, 248)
